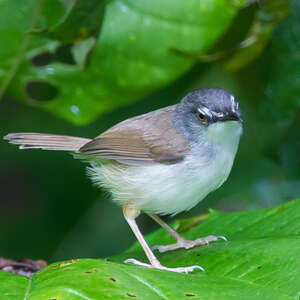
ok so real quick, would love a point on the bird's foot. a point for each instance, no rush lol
(187, 244)
(161, 267)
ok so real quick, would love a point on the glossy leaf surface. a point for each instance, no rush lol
(132, 57)
(259, 261)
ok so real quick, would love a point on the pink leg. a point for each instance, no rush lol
(130, 214)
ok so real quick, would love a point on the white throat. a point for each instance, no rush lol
(224, 133)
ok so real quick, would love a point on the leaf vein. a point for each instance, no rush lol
(27, 292)
(147, 284)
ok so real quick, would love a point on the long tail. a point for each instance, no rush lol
(44, 141)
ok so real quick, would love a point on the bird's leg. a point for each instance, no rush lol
(130, 215)
(181, 242)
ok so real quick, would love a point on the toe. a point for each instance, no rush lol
(222, 237)
(208, 239)
(186, 270)
(161, 267)
(137, 262)
(166, 248)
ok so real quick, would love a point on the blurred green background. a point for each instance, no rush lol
(48, 207)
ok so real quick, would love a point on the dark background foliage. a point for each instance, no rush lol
(48, 208)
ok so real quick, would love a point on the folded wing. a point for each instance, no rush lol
(145, 139)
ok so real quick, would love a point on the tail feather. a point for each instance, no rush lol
(44, 141)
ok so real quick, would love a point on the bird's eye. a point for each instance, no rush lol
(201, 117)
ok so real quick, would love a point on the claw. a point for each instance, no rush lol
(187, 244)
(222, 237)
(160, 267)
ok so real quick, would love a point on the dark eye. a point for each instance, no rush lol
(202, 117)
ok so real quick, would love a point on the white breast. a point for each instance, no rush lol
(170, 189)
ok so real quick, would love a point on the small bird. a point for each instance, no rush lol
(162, 162)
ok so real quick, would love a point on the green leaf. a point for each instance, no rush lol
(259, 261)
(12, 287)
(131, 59)
(277, 80)
(82, 19)
(14, 32)
(247, 37)
(270, 13)
(26, 16)
(283, 68)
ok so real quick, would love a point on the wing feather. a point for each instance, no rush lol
(145, 139)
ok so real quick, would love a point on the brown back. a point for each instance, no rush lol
(144, 139)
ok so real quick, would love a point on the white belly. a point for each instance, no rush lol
(168, 189)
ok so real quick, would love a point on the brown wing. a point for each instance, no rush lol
(145, 139)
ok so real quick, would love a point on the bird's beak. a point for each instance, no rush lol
(232, 117)
(236, 117)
